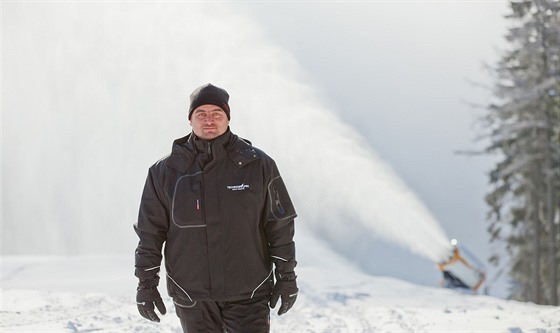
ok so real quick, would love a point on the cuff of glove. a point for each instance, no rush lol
(148, 284)
(285, 276)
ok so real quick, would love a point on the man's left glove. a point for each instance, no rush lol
(146, 297)
(286, 289)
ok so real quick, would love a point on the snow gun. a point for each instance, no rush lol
(462, 270)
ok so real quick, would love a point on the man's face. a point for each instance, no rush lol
(209, 121)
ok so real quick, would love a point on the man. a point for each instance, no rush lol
(225, 216)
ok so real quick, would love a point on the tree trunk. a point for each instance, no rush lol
(553, 261)
(549, 181)
(535, 274)
(550, 211)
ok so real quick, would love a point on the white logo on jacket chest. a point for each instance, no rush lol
(241, 187)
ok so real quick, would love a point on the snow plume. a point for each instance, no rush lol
(95, 92)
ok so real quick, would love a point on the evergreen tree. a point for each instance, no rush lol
(524, 129)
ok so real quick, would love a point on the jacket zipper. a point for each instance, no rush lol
(209, 151)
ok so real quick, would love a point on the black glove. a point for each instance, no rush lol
(146, 297)
(285, 288)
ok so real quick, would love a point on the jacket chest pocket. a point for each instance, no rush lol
(187, 208)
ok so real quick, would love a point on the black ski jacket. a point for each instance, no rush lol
(223, 222)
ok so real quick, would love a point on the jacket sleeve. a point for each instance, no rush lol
(279, 227)
(151, 229)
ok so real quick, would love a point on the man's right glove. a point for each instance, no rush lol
(146, 297)
(286, 289)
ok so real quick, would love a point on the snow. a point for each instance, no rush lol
(96, 294)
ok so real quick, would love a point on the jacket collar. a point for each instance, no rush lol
(218, 145)
(184, 150)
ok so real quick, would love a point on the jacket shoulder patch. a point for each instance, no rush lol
(244, 154)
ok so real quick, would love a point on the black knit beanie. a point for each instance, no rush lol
(209, 94)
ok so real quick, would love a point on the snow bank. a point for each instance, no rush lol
(96, 294)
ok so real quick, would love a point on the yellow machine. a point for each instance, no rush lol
(462, 270)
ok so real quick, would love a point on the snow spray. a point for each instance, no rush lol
(343, 190)
(110, 94)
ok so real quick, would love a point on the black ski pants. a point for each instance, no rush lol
(245, 316)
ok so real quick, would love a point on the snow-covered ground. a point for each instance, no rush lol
(96, 294)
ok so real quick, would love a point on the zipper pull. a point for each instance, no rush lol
(196, 188)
